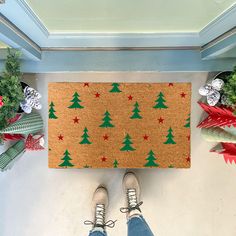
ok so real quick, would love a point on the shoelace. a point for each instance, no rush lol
(132, 202)
(99, 220)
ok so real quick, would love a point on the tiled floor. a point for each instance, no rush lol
(38, 201)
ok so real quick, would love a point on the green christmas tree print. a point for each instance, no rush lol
(171, 166)
(187, 125)
(115, 164)
(170, 137)
(85, 137)
(151, 160)
(52, 111)
(160, 102)
(106, 120)
(87, 166)
(127, 144)
(76, 101)
(66, 160)
(136, 111)
(115, 88)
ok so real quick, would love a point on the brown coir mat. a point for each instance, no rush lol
(119, 125)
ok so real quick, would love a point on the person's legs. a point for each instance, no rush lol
(137, 226)
(99, 206)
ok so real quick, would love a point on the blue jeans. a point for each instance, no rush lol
(137, 226)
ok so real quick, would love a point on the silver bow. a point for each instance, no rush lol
(31, 100)
(211, 91)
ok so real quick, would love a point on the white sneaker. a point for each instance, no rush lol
(131, 188)
(99, 206)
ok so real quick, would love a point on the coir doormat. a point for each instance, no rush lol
(119, 125)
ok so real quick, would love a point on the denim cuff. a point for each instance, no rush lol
(134, 216)
(98, 231)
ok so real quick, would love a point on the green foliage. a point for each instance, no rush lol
(229, 90)
(10, 88)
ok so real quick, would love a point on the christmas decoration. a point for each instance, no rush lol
(12, 137)
(14, 119)
(115, 164)
(85, 137)
(29, 123)
(228, 150)
(151, 160)
(31, 100)
(136, 111)
(52, 111)
(1, 101)
(8, 158)
(187, 125)
(66, 160)
(106, 120)
(217, 117)
(34, 142)
(115, 88)
(211, 91)
(127, 144)
(216, 134)
(170, 137)
(76, 101)
(10, 88)
(160, 102)
(229, 90)
(109, 133)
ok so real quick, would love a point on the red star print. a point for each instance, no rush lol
(170, 84)
(86, 84)
(183, 95)
(130, 97)
(160, 120)
(103, 159)
(105, 137)
(145, 137)
(97, 95)
(188, 137)
(76, 120)
(188, 159)
(60, 137)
